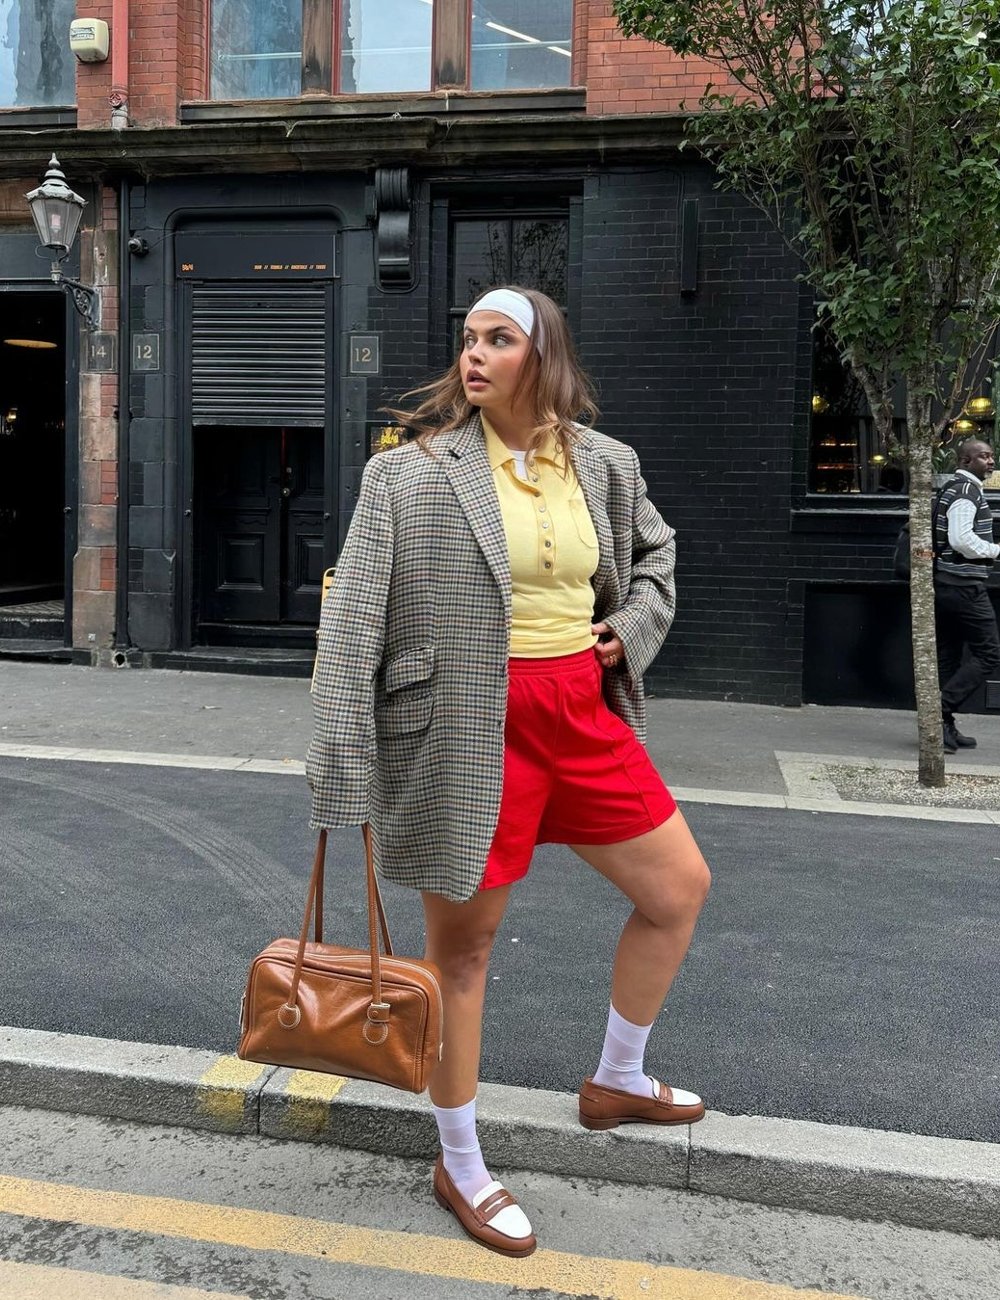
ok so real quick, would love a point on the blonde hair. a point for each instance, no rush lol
(559, 391)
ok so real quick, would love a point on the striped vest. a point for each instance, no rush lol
(950, 565)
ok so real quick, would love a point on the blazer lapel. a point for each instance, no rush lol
(468, 468)
(592, 474)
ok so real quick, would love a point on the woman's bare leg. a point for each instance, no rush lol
(459, 942)
(665, 876)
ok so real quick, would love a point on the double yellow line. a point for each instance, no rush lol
(403, 1252)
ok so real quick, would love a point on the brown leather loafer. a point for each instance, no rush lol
(602, 1107)
(476, 1220)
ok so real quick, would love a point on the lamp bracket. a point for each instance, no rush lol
(86, 299)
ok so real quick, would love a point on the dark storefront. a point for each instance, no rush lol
(271, 317)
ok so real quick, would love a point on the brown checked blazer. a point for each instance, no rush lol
(411, 683)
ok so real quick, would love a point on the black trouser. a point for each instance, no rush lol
(964, 618)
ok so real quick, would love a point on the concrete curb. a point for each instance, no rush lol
(923, 1182)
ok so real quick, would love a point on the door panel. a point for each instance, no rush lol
(260, 525)
(304, 548)
(239, 520)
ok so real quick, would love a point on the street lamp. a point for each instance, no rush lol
(56, 211)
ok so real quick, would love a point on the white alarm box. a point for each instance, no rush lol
(88, 39)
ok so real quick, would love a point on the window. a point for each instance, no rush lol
(520, 44)
(256, 49)
(844, 452)
(36, 67)
(385, 45)
(486, 250)
(280, 49)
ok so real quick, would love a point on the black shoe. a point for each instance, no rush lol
(954, 740)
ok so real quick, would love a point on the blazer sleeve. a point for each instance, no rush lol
(644, 619)
(340, 762)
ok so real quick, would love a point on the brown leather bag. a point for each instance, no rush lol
(314, 1006)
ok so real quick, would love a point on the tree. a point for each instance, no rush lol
(869, 132)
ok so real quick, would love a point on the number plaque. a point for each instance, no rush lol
(365, 355)
(102, 353)
(145, 351)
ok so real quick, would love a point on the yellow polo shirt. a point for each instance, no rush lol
(552, 547)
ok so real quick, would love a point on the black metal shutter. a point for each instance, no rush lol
(258, 355)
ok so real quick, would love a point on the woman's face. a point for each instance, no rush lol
(493, 352)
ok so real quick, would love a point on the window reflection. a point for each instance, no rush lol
(36, 66)
(256, 49)
(385, 46)
(487, 251)
(520, 44)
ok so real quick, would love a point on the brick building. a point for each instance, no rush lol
(288, 207)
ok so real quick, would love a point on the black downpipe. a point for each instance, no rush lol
(124, 417)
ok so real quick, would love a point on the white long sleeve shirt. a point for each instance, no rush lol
(961, 535)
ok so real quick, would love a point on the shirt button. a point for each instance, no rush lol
(548, 564)
(541, 509)
(548, 544)
(545, 523)
(534, 478)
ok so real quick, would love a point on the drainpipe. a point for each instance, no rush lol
(119, 657)
(119, 65)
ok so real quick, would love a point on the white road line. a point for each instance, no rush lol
(803, 798)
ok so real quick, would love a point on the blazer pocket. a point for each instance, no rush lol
(409, 667)
(409, 700)
(404, 713)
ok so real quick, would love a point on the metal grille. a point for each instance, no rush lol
(258, 355)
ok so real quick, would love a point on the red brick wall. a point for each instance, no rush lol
(635, 76)
(167, 62)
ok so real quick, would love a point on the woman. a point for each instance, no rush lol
(504, 584)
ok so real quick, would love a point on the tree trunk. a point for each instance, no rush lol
(925, 673)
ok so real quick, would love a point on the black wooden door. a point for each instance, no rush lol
(303, 558)
(260, 526)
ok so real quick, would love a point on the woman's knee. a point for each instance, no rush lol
(685, 890)
(463, 956)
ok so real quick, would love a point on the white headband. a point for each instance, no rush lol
(508, 302)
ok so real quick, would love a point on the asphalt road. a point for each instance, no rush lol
(846, 970)
(295, 1221)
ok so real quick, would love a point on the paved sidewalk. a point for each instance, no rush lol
(697, 744)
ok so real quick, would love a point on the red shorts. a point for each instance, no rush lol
(574, 772)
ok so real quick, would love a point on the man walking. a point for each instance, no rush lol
(965, 551)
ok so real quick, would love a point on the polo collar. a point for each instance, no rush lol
(499, 453)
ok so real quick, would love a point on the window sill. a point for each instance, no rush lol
(33, 118)
(853, 514)
(418, 104)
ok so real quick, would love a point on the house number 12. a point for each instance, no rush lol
(365, 355)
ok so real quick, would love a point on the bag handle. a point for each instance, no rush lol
(377, 1026)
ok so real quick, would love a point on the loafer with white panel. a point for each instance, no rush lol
(603, 1108)
(494, 1218)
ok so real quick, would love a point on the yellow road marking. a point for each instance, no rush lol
(403, 1252)
(309, 1094)
(39, 1282)
(222, 1089)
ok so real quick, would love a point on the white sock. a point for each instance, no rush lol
(621, 1057)
(463, 1157)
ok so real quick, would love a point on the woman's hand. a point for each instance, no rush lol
(610, 651)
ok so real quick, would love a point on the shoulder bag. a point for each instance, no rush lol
(315, 1006)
